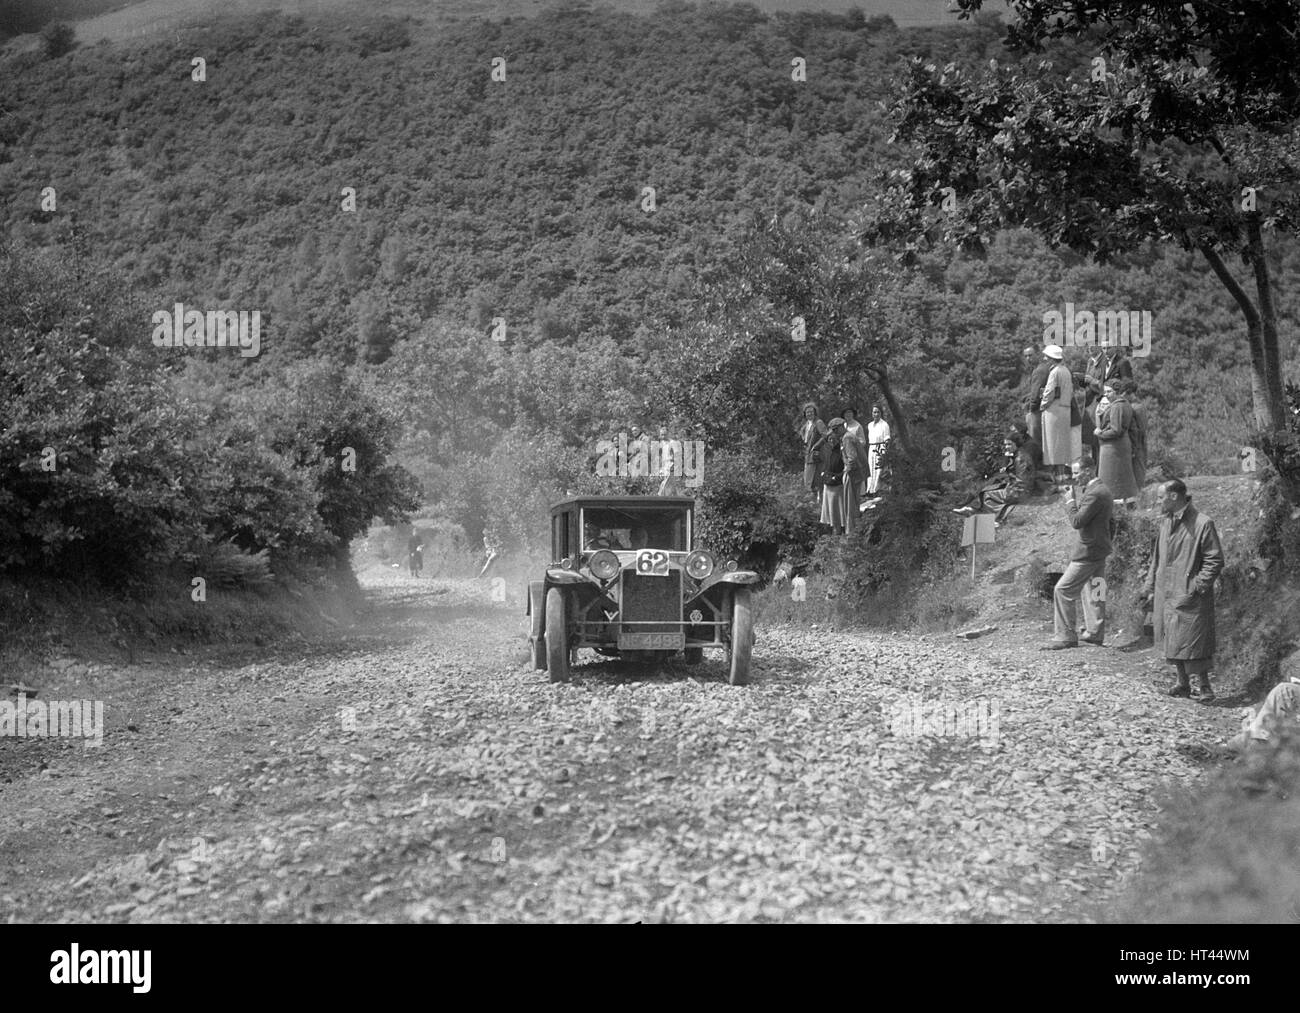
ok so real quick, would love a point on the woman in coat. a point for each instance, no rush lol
(1058, 439)
(810, 430)
(1137, 433)
(832, 476)
(1116, 466)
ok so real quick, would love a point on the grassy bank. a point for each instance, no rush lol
(44, 618)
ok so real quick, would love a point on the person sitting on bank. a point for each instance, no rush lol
(1281, 706)
(1009, 485)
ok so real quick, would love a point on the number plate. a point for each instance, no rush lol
(652, 563)
(651, 641)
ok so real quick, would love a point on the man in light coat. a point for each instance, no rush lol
(1180, 588)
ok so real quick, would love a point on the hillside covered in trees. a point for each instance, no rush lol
(387, 203)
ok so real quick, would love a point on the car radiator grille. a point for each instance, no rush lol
(648, 598)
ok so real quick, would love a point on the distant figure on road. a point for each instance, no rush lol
(415, 555)
(1090, 517)
(1180, 588)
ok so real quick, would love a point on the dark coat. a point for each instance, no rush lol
(1032, 402)
(1186, 560)
(1115, 464)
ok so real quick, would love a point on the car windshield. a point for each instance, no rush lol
(610, 528)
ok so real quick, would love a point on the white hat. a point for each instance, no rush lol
(1054, 352)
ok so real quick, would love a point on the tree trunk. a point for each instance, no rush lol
(1265, 414)
(899, 428)
(1268, 322)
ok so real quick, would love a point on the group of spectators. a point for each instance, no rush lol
(1085, 426)
(1066, 411)
(845, 463)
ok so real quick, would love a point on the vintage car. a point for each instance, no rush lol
(627, 580)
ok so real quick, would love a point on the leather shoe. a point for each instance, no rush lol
(1181, 691)
(1059, 645)
(1095, 641)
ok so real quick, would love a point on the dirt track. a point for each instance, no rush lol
(462, 786)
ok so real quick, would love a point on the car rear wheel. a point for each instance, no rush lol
(536, 610)
(742, 637)
(557, 637)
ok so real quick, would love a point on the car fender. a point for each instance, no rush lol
(556, 575)
(731, 577)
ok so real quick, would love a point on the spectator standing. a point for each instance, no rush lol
(1039, 366)
(853, 431)
(832, 476)
(855, 473)
(810, 430)
(1107, 365)
(1058, 395)
(1180, 589)
(1137, 436)
(1090, 517)
(670, 468)
(1116, 463)
(878, 437)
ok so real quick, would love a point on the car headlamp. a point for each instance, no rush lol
(699, 564)
(603, 564)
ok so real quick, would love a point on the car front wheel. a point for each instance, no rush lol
(742, 637)
(557, 637)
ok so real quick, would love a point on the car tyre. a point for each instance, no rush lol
(742, 637)
(536, 616)
(557, 637)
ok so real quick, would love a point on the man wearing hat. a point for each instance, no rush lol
(1180, 589)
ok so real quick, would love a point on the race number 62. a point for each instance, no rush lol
(652, 562)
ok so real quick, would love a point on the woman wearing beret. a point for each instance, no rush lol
(1115, 468)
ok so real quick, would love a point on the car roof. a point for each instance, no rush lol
(661, 502)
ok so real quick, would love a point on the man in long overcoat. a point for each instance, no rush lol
(1180, 585)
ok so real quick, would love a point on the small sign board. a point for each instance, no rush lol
(978, 528)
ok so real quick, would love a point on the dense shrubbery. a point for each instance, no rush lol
(113, 465)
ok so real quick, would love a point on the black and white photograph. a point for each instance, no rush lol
(616, 462)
